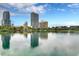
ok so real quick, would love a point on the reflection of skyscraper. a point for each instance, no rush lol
(25, 34)
(6, 19)
(5, 41)
(34, 40)
(44, 35)
(34, 20)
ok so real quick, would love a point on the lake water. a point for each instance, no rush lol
(39, 44)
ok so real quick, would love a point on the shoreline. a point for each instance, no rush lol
(53, 31)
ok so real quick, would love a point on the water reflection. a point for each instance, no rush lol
(5, 41)
(34, 40)
(26, 35)
(44, 35)
(56, 44)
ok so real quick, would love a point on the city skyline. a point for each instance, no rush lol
(54, 13)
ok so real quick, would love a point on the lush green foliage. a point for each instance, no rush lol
(13, 29)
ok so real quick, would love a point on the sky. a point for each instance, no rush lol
(57, 14)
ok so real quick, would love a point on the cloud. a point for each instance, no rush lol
(71, 23)
(73, 11)
(12, 14)
(60, 9)
(38, 9)
(22, 7)
(74, 8)
(73, 5)
(67, 23)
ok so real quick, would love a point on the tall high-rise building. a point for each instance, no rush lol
(34, 20)
(25, 24)
(6, 19)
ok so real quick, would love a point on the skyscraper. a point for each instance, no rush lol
(26, 24)
(34, 20)
(6, 19)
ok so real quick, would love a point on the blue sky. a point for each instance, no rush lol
(56, 14)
